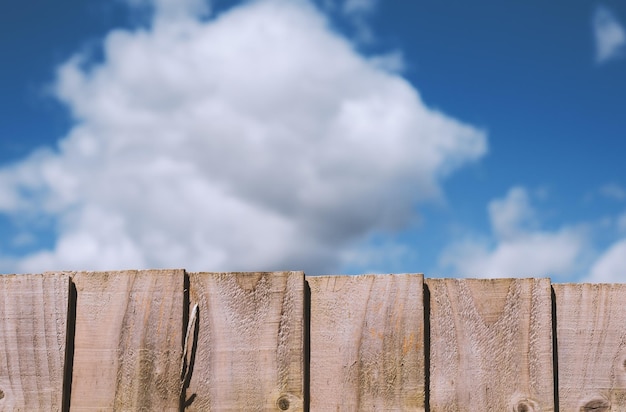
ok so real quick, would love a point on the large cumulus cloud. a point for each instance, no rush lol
(259, 139)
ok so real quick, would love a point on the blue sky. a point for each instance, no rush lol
(449, 138)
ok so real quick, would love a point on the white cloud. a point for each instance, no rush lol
(621, 222)
(350, 7)
(388, 256)
(533, 255)
(173, 9)
(610, 35)
(513, 215)
(392, 62)
(517, 247)
(359, 6)
(356, 13)
(611, 266)
(259, 140)
(613, 191)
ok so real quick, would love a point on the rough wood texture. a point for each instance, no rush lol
(591, 337)
(128, 343)
(33, 323)
(491, 345)
(118, 341)
(367, 343)
(250, 347)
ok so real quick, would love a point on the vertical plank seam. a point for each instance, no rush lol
(182, 401)
(189, 356)
(426, 314)
(70, 333)
(555, 350)
(306, 343)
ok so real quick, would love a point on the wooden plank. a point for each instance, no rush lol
(367, 343)
(591, 337)
(490, 345)
(128, 343)
(33, 331)
(250, 348)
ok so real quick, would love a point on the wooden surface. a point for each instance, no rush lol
(591, 336)
(490, 345)
(33, 327)
(367, 343)
(128, 342)
(165, 340)
(250, 343)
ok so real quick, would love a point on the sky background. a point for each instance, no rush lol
(471, 139)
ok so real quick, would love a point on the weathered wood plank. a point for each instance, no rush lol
(591, 338)
(367, 343)
(490, 345)
(33, 331)
(250, 347)
(128, 342)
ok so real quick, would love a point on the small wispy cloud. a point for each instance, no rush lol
(517, 245)
(613, 191)
(359, 6)
(520, 245)
(621, 223)
(356, 13)
(610, 267)
(609, 34)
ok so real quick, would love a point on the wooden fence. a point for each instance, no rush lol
(171, 340)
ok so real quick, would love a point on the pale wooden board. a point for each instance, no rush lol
(33, 330)
(128, 343)
(250, 346)
(367, 343)
(491, 345)
(591, 338)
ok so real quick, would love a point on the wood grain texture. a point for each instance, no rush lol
(128, 342)
(491, 345)
(591, 337)
(367, 343)
(33, 327)
(250, 347)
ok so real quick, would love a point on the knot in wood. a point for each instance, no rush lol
(283, 403)
(526, 405)
(596, 405)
